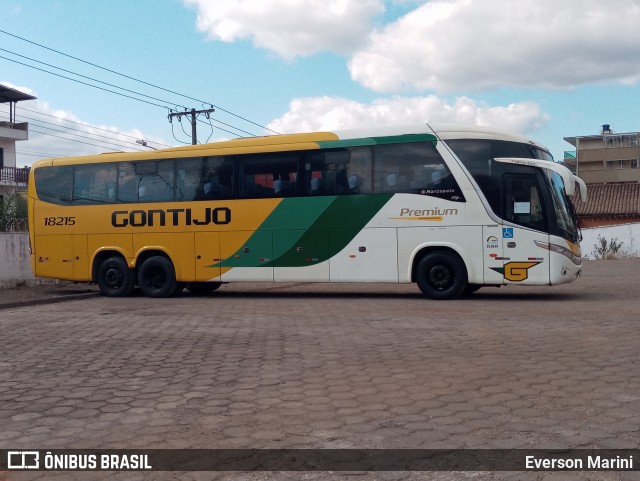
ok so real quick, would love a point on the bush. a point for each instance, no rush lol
(606, 249)
(13, 211)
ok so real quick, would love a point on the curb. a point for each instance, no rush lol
(49, 300)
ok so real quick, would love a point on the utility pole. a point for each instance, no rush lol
(194, 114)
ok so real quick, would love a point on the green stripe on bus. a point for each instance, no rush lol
(334, 229)
(306, 231)
(392, 139)
(295, 215)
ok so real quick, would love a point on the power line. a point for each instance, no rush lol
(88, 138)
(73, 140)
(38, 122)
(89, 125)
(89, 78)
(138, 80)
(32, 152)
(37, 154)
(107, 90)
(85, 83)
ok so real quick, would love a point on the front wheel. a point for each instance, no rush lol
(115, 279)
(157, 277)
(441, 275)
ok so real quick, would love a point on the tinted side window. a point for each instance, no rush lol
(189, 185)
(414, 167)
(218, 179)
(477, 156)
(156, 181)
(146, 181)
(94, 184)
(269, 175)
(338, 171)
(127, 182)
(55, 184)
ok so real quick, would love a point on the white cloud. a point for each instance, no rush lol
(334, 113)
(290, 28)
(56, 132)
(451, 45)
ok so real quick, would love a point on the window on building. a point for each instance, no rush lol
(1, 158)
(634, 164)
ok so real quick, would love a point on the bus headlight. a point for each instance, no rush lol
(560, 250)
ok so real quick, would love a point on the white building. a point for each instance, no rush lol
(12, 179)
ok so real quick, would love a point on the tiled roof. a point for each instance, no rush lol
(610, 199)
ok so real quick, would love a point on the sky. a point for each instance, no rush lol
(542, 68)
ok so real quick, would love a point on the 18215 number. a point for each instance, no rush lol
(51, 221)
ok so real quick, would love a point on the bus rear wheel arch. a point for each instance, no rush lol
(157, 277)
(441, 274)
(114, 277)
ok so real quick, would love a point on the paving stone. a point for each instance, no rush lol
(326, 365)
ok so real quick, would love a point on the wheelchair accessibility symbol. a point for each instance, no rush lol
(507, 232)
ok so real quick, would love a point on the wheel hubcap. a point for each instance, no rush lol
(157, 278)
(440, 277)
(114, 277)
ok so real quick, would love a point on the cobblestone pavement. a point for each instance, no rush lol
(328, 366)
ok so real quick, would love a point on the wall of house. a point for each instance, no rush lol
(9, 152)
(628, 234)
(15, 268)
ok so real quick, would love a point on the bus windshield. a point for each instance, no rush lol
(565, 212)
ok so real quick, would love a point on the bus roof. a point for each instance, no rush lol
(302, 141)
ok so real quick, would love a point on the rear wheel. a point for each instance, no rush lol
(115, 279)
(441, 275)
(157, 277)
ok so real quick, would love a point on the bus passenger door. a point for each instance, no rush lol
(207, 256)
(524, 262)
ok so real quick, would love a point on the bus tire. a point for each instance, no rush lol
(157, 277)
(202, 288)
(115, 279)
(441, 275)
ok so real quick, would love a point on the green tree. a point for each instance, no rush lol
(13, 208)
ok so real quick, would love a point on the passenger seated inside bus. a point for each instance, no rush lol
(282, 185)
(316, 186)
(354, 184)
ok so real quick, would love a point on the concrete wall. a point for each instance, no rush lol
(14, 260)
(628, 234)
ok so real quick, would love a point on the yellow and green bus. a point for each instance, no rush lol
(449, 208)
